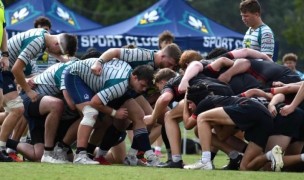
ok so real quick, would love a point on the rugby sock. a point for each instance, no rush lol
(12, 144)
(213, 154)
(141, 140)
(90, 150)
(302, 157)
(169, 154)
(65, 146)
(165, 137)
(233, 154)
(2, 145)
(268, 155)
(176, 157)
(79, 149)
(206, 156)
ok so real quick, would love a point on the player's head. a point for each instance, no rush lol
(187, 57)
(198, 92)
(141, 78)
(162, 76)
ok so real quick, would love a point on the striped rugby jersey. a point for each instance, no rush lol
(26, 46)
(137, 56)
(49, 81)
(111, 84)
(260, 39)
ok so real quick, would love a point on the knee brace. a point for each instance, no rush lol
(14, 103)
(88, 116)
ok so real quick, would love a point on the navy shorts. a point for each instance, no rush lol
(9, 84)
(78, 90)
(253, 120)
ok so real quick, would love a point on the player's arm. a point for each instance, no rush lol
(121, 113)
(295, 103)
(220, 63)
(192, 70)
(17, 70)
(105, 57)
(249, 53)
(161, 104)
(189, 121)
(4, 55)
(274, 101)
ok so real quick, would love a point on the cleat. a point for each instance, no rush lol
(82, 158)
(234, 164)
(276, 159)
(200, 165)
(61, 153)
(102, 160)
(4, 157)
(153, 160)
(51, 158)
(171, 164)
(15, 157)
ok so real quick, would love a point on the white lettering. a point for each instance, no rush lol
(217, 42)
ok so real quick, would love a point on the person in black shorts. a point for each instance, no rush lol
(170, 94)
(243, 113)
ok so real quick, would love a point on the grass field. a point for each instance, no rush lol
(41, 171)
(28, 170)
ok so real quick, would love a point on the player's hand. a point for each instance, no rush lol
(272, 110)
(121, 113)
(286, 110)
(4, 63)
(182, 87)
(31, 83)
(32, 95)
(96, 68)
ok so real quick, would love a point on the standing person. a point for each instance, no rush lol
(44, 60)
(259, 36)
(22, 48)
(4, 65)
(290, 60)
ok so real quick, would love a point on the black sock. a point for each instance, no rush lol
(48, 148)
(79, 149)
(110, 139)
(10, 143)
(141, 140)
(213, 154)
(90, 150)
(165, 137)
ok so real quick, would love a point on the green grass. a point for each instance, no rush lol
(28, 170)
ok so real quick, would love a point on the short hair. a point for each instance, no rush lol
(216, 52)
(173, 51)
(164, 74)
(290, 57)
(69, 42)
(144, 72)
(91, 53)
(252, 6)
(165, 36)
(187, 57)
(42, 21)
(129, 46)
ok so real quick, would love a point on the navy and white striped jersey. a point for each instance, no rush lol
(49, 81)
(111, 84)
(137, 56)
(26, 46)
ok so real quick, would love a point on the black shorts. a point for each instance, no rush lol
(291, 125)
(9, 84)
(253, 120)
(242, 82)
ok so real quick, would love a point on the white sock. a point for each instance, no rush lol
(176, 157)
(132, 152)
(157, 148)
(9, 150)
(2, 144)
(268, 155)
(149, 153)
(101, 152)
(302, 157)
(206, 156)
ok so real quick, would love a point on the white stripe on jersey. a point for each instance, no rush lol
(137, 56)
(26, 45)
(46, 83)
(111, 84)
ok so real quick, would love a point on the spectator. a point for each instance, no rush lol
(259, 36)
(290, 61)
